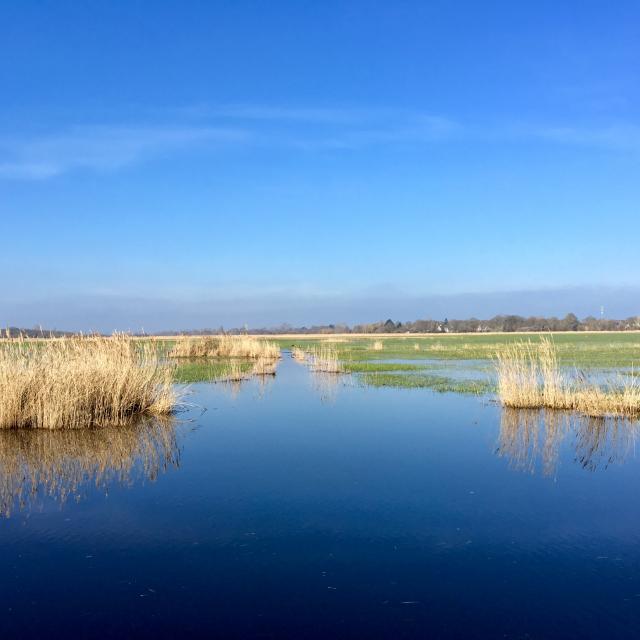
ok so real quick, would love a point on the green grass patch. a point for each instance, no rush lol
(441, 384)
(371, 367)
(583, 350)
(205, 370)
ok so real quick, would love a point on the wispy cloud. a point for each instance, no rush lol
(103, 148)
(619, 136)
(112, 147)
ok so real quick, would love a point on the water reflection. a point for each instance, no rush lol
(326, 385)
(37, 464)
(529, 438)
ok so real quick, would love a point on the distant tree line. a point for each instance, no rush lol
(36, 332)
(502, 323)
(505, 323)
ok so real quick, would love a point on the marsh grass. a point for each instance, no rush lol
(377, 345)
(224, 346)
(81, 381)
(264, 367)
(211, 370)
(377, 367)
(324, 358)
(576, 349)
(441, 384)
(298, 354)
(530, 377)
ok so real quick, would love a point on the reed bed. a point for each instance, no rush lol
(264, 367)
(377, 345)
(81, 381)
(225, 347)
(325, 359)
(298, 354)
(530, 377)
(235, 372)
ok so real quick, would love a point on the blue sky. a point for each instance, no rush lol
(177, 165)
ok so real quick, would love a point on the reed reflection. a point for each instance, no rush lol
(60, 465)
(326, 385)
(530, 439)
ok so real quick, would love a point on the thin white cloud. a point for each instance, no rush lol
(619, 136)
(109, 147)
(104, 148)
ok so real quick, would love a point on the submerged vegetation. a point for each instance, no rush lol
(585, 350)
(530, 376)
(210, 370)
(441, 384)
(74, 382)
(372, 367)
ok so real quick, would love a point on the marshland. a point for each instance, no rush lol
(340, 474)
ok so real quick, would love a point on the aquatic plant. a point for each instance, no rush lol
(81, 381)
(264, 367)
(224, 346)
(298, 354)
(325, 359)
(530, 377)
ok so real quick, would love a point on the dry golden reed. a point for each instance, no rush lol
(81, 381)
(324, 358)
(377, 345)
(264, 367)
(298, 354)
(530, 377)
(225, 347)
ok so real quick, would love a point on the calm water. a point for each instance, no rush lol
(306, 509)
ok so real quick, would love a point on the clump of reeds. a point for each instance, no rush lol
(298, 354)
(416, 346)
(68, 383)
(325, 359)
(529, 377)
(264, 367)
(377, 345)
(225, 346)
(235, 372)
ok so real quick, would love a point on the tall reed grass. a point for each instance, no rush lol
(324, 358)
(298, 354)
(529, 377)
(68, 383)
(225, 346)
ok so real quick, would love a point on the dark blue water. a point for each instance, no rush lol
(302, 510)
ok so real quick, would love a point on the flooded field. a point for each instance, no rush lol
(315, 505)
